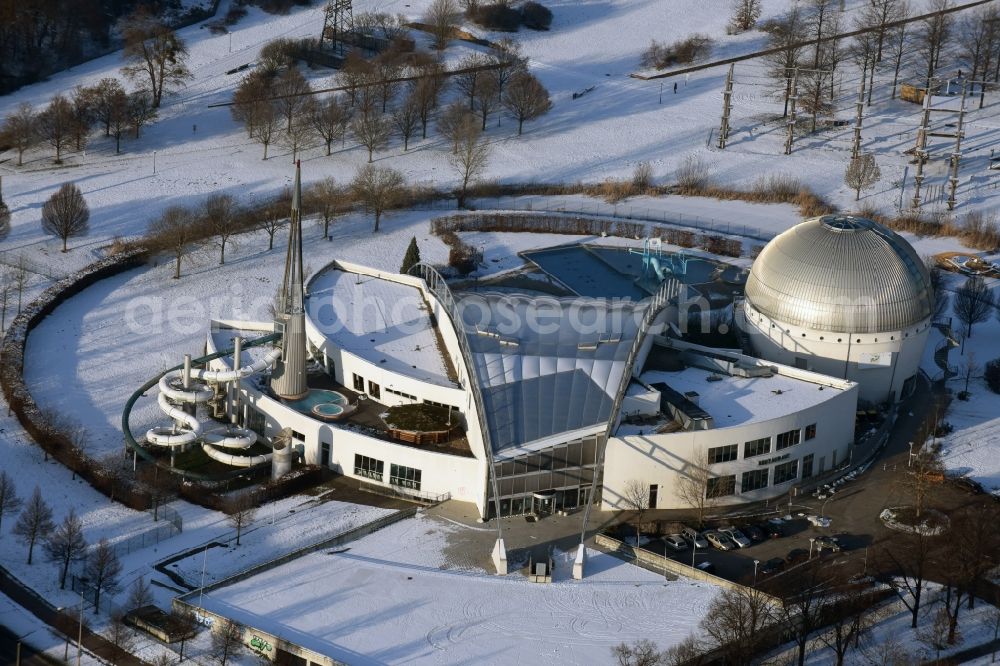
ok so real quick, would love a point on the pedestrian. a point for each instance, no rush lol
(675, 87)
(194, 129)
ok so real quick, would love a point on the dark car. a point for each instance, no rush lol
(772, 530)
(772, 566)
(826, 543)
(797, 555)
(753, 533)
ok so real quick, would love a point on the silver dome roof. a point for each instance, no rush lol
(841, 274)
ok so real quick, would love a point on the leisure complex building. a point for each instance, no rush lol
(597, 369)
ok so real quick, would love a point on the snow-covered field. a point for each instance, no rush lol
(390, 598)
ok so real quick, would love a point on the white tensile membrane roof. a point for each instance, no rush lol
(547, 366)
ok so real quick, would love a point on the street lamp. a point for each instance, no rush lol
(755, 563)
(812, 540)
(694, 549)
(664, 561)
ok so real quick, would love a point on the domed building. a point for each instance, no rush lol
(842, 296)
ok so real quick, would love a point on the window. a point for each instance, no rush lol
(807, 466)
(810, 431)
(754, 480)
(757, 447)
(786, 439)
(359, 383)
(786, 472)
(368, 467)
(654, 490)
(298, 435)
(401, 394)
(373, 390)
(721, 454)
(720, 486)
(324, 454)
(406, 477)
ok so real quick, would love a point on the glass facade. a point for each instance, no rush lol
(720, 486)
(754, 480)
(368, 467)
(786, 439)
(721, 454)
(757, 447)
(407, 477)
(786, 472)
(566, 469)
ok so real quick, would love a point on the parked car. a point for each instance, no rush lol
(693, 536)
(797, 555)
(827, 543)
(753, 532)
(772, 566)
(738, 537)
(675, 542)
(772, 530)
(720, 540)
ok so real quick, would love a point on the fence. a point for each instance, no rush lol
(411, 494)
(169, 514)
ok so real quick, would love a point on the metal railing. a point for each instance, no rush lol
(436, 283)
(668, 289)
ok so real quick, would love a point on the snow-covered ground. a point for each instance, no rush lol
(391, 598)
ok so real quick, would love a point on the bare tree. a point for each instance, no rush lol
(378, 188)
(787, 34)
(406, 119)
(470, 161)
(269, 220)
(426, 93)
(66, 214)
(265, 124)
(254, 89)
(803, 589)
(139, 594)
(20, 130)
(507, 60)
(118, 116)
(487, 98)
(330, 119)
(106, 97)
(933, 35)
(55, 125)
(154, 52)
(635, 497)
(526, 99)
(468, 81)
(745, 15)
(174, 232)
(851, 620)
(66, 545)
(82, 115)
(327, 196)
(387, 67)
(937, 283)
(641, 653)
(455, 122)
(140, 110)
(734, 623)
(9, 501)
(977, 32)
(371, 130)
(298, 135)
(185, 625)
(973, 303)
(698, 488)
(897, 42)
(103, 569)
(440, 18)
(220, 221)
(227, 640)
(121, 636)
(34, 522)
(862, 173)
(242, 511)
(291, 90)
(910, 557)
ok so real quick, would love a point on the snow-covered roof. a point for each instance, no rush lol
(733, 401)
(383, 322)
(546, 366)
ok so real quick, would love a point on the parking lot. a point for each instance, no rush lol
(738, 564)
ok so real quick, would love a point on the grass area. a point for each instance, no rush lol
(420, 417)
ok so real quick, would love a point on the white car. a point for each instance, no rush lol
(738, 537)
(675, 542)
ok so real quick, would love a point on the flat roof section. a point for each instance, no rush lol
(733, 401)
(383, 322)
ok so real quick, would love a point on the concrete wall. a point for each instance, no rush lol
(664, 459)
(840, 354)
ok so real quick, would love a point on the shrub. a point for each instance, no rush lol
(659, 55)
(536, 16)
(992, 375)
(234, 15)
(642, 177)
(496, 16)
(614, 190)
(692, 175)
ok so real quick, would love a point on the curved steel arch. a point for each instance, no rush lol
(436, 283)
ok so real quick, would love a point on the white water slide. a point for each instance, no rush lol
(226, 445)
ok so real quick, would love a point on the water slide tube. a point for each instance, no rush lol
(171, 389)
